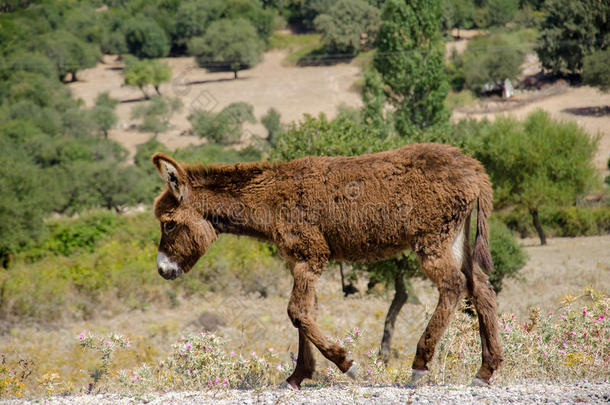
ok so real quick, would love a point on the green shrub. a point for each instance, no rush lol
(68, 236)
(224, 127)
(570, 221)
(574, 221)
(155, 115)
(508, 256)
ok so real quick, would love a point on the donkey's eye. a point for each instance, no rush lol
(170, 226)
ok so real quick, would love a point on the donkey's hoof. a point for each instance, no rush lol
(479, 382)
(291, 386)
(417, 378)
(352, 371)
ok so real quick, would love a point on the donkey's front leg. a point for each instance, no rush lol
(301, 310)
(306, 363)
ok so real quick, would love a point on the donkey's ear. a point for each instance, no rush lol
(173, 174)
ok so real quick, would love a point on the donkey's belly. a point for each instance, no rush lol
(374, 245)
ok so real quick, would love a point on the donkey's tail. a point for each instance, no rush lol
(481, 254)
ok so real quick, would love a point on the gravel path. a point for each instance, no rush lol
(532, 393)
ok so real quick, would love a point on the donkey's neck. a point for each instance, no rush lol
(232, 197)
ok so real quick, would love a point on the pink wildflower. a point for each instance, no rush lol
(370, 371)
(81, 336)
(232, 354)
(585, 334)
(271, 350)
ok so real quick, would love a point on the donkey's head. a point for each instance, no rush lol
(185, 234)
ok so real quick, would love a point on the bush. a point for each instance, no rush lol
(273, 125)
(156, 114)
(224, 127)
(569, 221)
(507, 255)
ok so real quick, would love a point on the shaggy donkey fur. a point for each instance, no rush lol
(360, 208)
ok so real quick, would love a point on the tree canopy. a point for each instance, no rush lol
(228, 45)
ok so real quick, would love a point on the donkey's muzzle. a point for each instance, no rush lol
(168, 269)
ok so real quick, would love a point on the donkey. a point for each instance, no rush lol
(360, 208)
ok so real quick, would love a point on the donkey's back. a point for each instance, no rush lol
(375, 205)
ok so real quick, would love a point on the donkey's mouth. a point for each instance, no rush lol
(170, 275)
(168, 269)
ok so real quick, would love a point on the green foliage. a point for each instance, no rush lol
(21, 201)
(142, 73)
(507, 255)
(500, 12)
(596, 70)
(561, 221)
(69, 53)
(571, 30)
(103, 115)
(321, 137)
(146, 39)
(193, 17)
(491, 58)
(410, 59)
(156, 113)
(536, 163)
(106, 257)
(68, 236)
(228, 44)
(347, 24)
(224, 127)
(273, 125)
(458, 14)
(374, 100)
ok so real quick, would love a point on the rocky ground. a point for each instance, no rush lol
(526, 393)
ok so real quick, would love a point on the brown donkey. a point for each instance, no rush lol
(360, 208)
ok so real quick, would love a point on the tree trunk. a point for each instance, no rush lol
(145, 95)
(348, 288)
(157, 89)
(400, 298)
(536, 221)
(74, 79)
(235, 74)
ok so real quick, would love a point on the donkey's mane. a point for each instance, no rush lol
(209, 174)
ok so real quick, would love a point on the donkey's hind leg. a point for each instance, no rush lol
(301, 310)
(484, 299)
(451, 284)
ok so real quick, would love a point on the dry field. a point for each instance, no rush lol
(253, 324)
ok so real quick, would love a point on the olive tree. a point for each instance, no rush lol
(228, 45)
